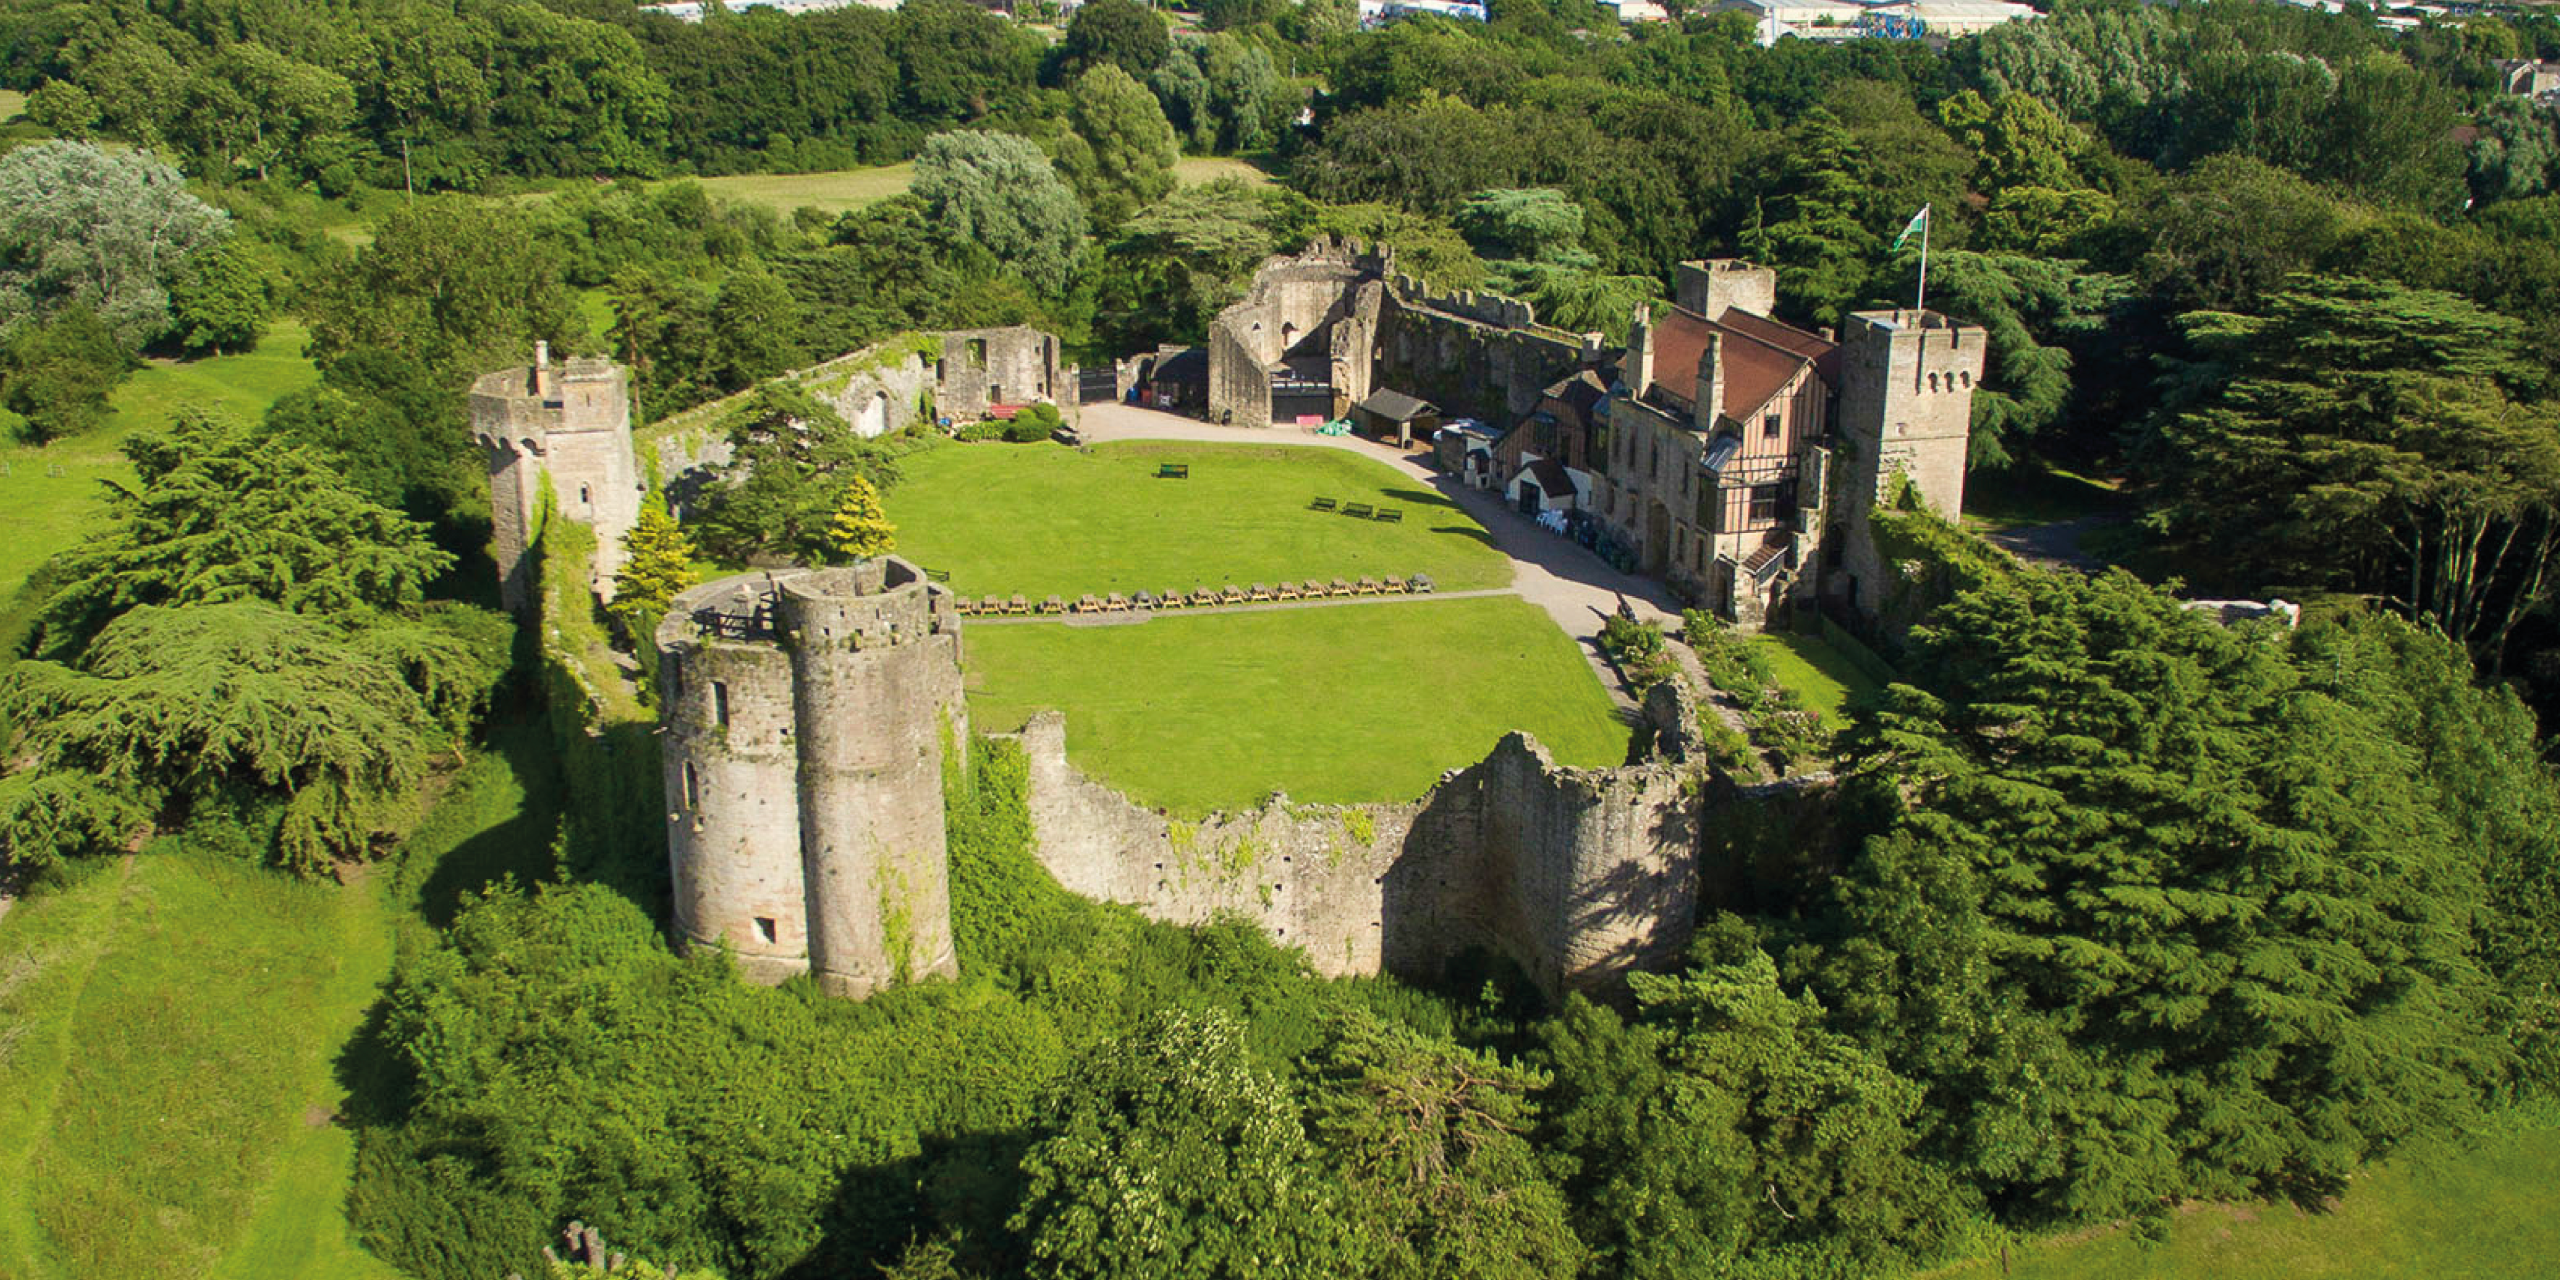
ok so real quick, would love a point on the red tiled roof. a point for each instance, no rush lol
(1761, 356)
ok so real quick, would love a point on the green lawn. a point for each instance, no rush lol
(841, 190)
(48, 511)
(1821, 675)
(1333, 704)
(171, 1032)
(1042, 519)
(2435, 1214)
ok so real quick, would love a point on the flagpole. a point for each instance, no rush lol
(1922, 302)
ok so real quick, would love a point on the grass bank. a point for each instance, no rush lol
(53, 492)
(844, 190)
(1821, 675)
(173, 1028)
(2439, 1210)
(1333, 705)
(1044, 519)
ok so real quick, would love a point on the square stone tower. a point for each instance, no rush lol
(1709, 286)
(572, 423)
(1906, 413)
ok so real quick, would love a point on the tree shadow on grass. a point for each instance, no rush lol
(517, 846)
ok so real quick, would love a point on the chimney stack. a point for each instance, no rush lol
(541, 368)
(1637, 372)
(1710, 384)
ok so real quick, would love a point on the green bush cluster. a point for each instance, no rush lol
(1637, 649)
(1780, 722)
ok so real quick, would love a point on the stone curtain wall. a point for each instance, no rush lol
(1577, 875)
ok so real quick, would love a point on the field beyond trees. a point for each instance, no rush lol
(1044, 520)
(1340, 704)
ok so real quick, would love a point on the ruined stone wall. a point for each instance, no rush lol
(1014, 365)
(1467, 366)
(1577, 875)
(1317, 294)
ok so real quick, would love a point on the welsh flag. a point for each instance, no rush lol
(1919, 226)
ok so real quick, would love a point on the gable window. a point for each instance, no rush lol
(1769, 427)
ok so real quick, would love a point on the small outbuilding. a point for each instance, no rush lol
(1395, 415)
(1543, 485)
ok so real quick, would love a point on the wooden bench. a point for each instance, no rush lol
(1389, 515)
(1421, 582)
(1367, 586)
(1338, 588)
(1232, 595)
(1259, 591)
(1204, 597)
(1173, 471)
(937, 575)
(1088, 604)
(1395, 585)
(1321, 504)
(1143, 600)
(1019, 604)
(1053, 605)
(1171, 599)
(1357, 511)
(1288, 591)
(1116, 602)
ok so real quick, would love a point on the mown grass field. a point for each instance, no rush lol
(1331, 704)
(843, 190)
(171, 1035)
(1044, 519)
(49, 511)
(2436, 1213)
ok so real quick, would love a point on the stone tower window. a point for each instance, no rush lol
(692, 787)
(720, 703)
(977, 351)
(764, 929)
(585, 497)
(1933, 382)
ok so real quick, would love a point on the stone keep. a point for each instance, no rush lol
(571, 423)
(1906, 411)
(807, 716)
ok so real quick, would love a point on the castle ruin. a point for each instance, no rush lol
(1317, 332)
(568, 424)
(807, 715)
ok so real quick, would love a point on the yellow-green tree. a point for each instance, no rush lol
(657, 562)
(861, 528)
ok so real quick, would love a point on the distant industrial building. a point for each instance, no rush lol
(1902, 20)
(691, 10)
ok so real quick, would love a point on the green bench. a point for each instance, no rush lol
(1389, 515)
(1321, 504)
(1357, 511)
(1173, 471)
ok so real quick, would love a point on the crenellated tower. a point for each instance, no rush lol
(1906, 413)
(570, 421)
(808, 715)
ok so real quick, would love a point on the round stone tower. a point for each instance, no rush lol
(875, 661)
(806, 716)
(727, 721)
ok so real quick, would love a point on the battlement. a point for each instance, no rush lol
(806, 714)
(1709, 286)
(567, 422)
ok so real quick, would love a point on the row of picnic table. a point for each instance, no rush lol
(1019, 605)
